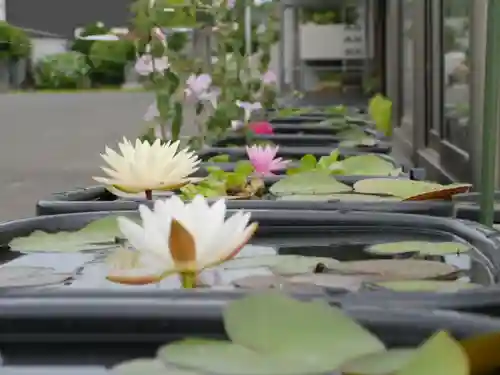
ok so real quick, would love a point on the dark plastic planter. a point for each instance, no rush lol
(278, 225)
(316, 129)
(467, 206)
(302, 140)
(97, 198)
(240, 153)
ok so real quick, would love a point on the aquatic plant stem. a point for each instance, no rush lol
(188, 279)
(149, 195)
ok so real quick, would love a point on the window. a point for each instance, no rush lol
(456, 72)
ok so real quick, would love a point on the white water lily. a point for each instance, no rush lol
(184, 238)
(145, 167)
(248, 107)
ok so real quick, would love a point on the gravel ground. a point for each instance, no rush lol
(52, 142)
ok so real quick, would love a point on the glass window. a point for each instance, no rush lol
(456, 75)
(408, 62)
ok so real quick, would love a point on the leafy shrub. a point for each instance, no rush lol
(67, 70)
(14, 42)
(108, 59)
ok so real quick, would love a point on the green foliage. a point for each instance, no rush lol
(380, 110)
(309, 163)
(219, 183)
(83, 46)
(15, 43)
(67, 70)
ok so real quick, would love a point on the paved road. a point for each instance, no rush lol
(51, 142)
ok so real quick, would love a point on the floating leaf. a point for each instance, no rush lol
(419, 247)
(15, 277)
(348, 283)
(223, 158)
(280, 264)
(367, 165)
(362, 142)
(440, 355)
(308, 183)
(349, 197)
(323, 341)
(395, 269)
(263, 282)
(426, 286)
(97, 235)
(409, 189)
(354, 133)
(384, 363)
(147, 366)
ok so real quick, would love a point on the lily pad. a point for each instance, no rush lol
(395, 269)
(409, 189)
(349, 197)
(280, 264)
(384, 363)
(426, 286)
(354, 133)
(367, 165)
(262, 282)
(18, 277)
(348, 283)
(97, 235)
(319, 338)
(362, 142)
(419, 247)
(147, 366)
(308, 183)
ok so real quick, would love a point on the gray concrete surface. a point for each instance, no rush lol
(51, 142)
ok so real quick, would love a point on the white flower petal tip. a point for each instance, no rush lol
(141, 166)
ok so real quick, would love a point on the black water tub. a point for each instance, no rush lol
(468, 206)
(302, 140)
(289, 153)
(97, 198)
(93, 333)
(343, 236)
(317, 129)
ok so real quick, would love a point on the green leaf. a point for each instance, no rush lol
(348, 197)
(226, 358)
(308, 183)
(234, 181)
(322, 336)
(380, 110)
(244, 168)
(280, 264)
(97, 235)
(354, 133)
(420, 247)
(326, 161)
(440, 355)
(308, 162)
(407, 189)
(383, 363)
(437, 286)
(367, 165)
(223, 158)
(147, 366)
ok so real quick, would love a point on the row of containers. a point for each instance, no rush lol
(343, 221)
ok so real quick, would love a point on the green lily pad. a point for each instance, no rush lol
(349, 197)
(308, 183)
(440, 355)
(18, 277)
(367, 165)
(354, 133)
(384, 363)
(280, 264)
(426, 286)
(380, 110)
(409, 189)
(319, 338)
(362, 142)
(419, 247)
(147, 366)
(97, 235)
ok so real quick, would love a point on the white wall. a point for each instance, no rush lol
(47, 46)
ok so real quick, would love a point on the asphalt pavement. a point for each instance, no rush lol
(51, 142)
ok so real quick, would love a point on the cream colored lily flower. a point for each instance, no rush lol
(144, 167)
(184, 238)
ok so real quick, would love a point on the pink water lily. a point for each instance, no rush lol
(264, 160)
(146, 65)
